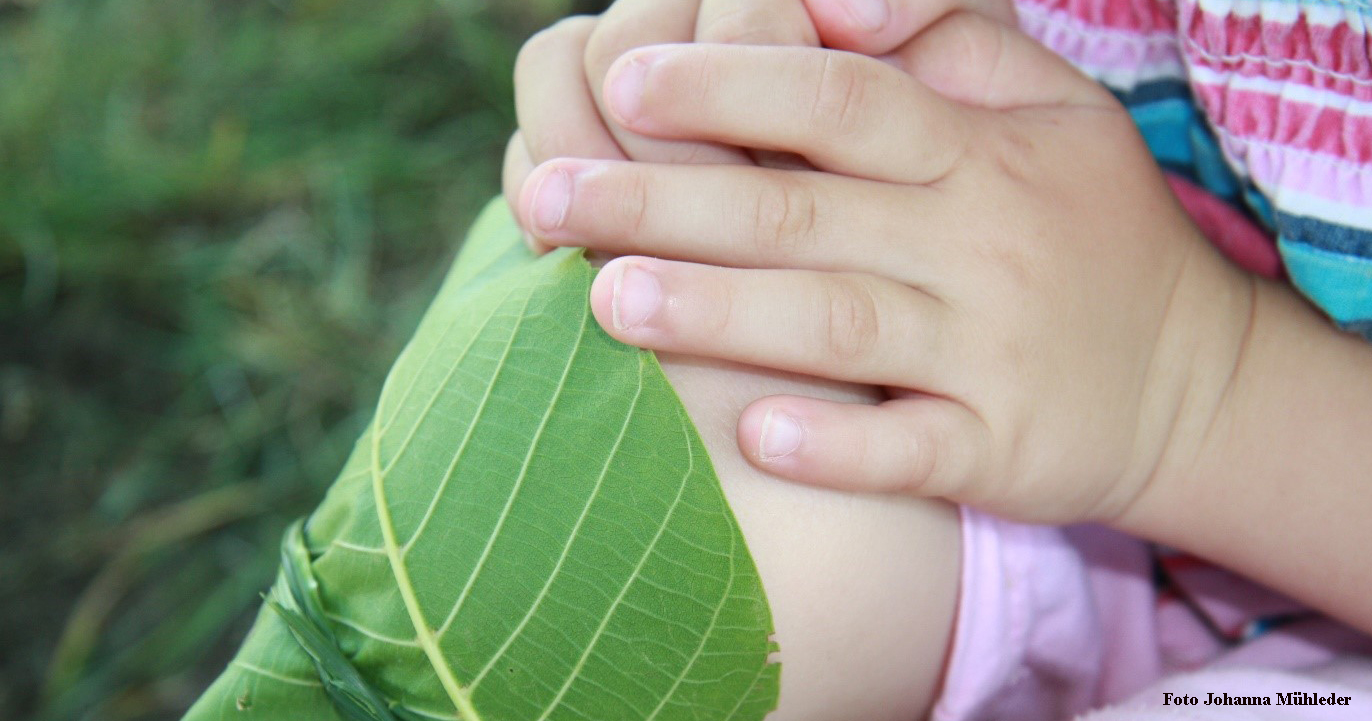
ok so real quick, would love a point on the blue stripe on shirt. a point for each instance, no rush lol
(1338, 283)
(1330, 264)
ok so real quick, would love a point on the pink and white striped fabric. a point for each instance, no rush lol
(1284, 87)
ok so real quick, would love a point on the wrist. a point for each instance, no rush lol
(1204, 361)
(1274, 485)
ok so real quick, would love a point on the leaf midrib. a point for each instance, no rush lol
(429, 639)
(423, 633)
(395, 554)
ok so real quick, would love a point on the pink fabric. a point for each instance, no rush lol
(1285, 85)
(1301, 49)
(1309, 127)
(1053, 622)
(1233, 234)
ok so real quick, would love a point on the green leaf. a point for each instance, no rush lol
(530, 529)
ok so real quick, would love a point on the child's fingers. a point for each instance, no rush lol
(920, 445)
(876, 27)
(975, 60)
(755, 22)
(846, 113)
(629, 24)
(556, 111)
(746, 217)
(844, 326)
(557, 114)
(517, 167)
(514, 170)
(759, 22)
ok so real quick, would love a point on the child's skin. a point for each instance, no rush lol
(1060, 342)
(862, 587)
(561, 117)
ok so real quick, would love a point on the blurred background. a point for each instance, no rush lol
(219, 222)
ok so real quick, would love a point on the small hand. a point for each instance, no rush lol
(992, 242)
(560, 116)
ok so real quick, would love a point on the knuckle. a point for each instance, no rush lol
(608, 41)
(785, 219)
(516, 166)
(634, 194)
(534, 48)
(1014, 155)
(694, 75)
(1020, 269)
(924, 461)
(839, 94)
(975, 34)
(972, 35)
(565, 37)
(719, 318)
(738, 25)
(581, 26)
(690, 154)
(746, 24)
(851, 324)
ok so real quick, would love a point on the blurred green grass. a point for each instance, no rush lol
(219, 221)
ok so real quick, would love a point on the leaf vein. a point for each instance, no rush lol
(705, 637)
(609, 613)
(356, 548)
(571, 537)
(519, 482)
(438, 392)
(466, 436)
(414, 379)
(369, 633)
(312, 683)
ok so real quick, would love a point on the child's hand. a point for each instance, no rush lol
(560, 116)
(1055, 332)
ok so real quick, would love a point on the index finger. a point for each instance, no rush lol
(631, 24)
(845, 113)
(759, 22)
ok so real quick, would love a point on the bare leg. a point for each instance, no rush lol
(863, 589)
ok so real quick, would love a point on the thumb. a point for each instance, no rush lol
(876, 27)
(978, 61)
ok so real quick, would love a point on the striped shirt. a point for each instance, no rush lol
(1267, 104)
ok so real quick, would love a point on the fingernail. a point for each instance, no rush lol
(552, 199)
(872, 15)
(637, 295)
(780, 435)
(625, 94)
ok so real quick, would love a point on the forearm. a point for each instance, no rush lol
(1281, 489)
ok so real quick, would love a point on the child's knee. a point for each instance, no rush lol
(862, 588)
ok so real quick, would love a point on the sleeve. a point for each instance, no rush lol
(1266, 105)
